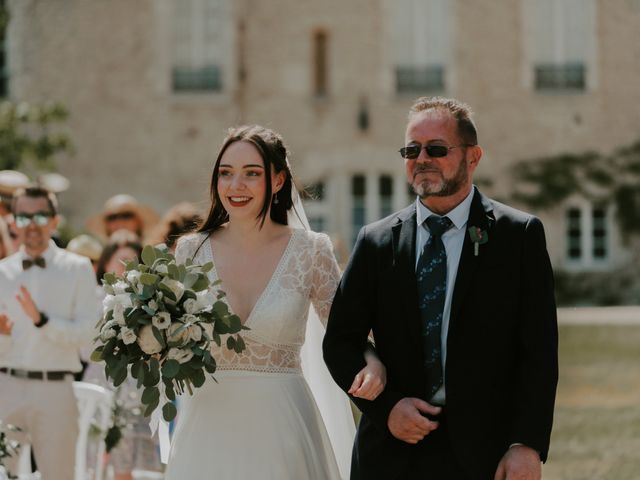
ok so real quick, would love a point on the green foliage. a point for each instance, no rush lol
(27, 134)
(543, 183)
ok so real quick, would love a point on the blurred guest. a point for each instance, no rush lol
(122, 212)
(48, 313)
(180, 219)
(10, 181)
(6, 244)
(87, 246)
(136, 448)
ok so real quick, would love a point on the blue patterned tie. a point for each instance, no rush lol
(432, 290)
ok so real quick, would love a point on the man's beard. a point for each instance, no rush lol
(445, 188)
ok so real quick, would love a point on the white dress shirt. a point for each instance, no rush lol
(453, 239)
(65, 291)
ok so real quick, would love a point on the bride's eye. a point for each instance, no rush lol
(224, 173)
(253, 173)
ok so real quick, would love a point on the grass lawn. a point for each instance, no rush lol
(596, 432)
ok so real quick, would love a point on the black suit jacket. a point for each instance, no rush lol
(502, 366)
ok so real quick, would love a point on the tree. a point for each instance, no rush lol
(26, 135)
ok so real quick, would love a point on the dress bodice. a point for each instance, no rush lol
(307, 273)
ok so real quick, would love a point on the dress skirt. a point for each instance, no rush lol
(251, 425)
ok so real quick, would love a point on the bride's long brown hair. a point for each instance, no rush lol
(273, 151)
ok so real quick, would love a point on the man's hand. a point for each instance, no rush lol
(27, 304)
(406, 422)
(6, 325)
(519, 463)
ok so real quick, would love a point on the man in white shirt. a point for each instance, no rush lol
(47, 312)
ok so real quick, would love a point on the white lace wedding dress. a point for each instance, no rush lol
(260, 420)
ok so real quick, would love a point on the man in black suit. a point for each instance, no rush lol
(457, 290)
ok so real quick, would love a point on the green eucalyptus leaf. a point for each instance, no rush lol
(150, 394)
(169, 411)
(149, 278)
(96, 355)
(170, 368)
(148, 255)
(198, 378)
(110, 278)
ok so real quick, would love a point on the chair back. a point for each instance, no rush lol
(94, 407)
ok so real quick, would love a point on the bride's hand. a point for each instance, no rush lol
(371, 380)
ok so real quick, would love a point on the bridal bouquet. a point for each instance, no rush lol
(8, 448)
(159, 321)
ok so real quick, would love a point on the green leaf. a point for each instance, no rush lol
(150, 394)
(198, 378)
(174, 271)
(169, 411)
(207, 267)
(240, 345)
(110, 278)
(112, 437)
(132, 264)
(190, 279)
(151, 407)
(96, 355)
(168, 389)
(158, 335)
(148, 255)
(231, 343)
(119, 376)
(149, 278)
(170, 368)
(201, 284)
(154, 373)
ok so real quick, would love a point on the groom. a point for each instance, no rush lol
(457, 290)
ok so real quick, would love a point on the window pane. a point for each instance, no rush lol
(386, 195)
(599, 233)
(574, 234)
(358, 192)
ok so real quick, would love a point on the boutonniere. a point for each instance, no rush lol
(478, 237)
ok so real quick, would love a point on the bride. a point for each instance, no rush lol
(261, 420)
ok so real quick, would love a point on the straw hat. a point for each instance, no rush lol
(86, 246)
(10, 181)
(121, 204)
(54, 182)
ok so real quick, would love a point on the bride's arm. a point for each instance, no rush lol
(371, 380)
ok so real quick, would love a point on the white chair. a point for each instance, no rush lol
(94, 406)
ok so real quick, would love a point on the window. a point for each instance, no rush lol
(574, 234)
(320, 73)
(561, 37)
(588, 230)
(358, 212)
(420, 36)
(386, 195)
(202, 39)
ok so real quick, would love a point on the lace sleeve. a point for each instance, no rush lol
(325, 279)
(185, 248)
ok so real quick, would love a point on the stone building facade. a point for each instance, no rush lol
(152, 86)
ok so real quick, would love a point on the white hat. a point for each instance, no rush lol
(119, 204)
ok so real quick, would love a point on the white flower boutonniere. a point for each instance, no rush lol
(478, 237)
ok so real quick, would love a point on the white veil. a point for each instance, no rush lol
(332, 402)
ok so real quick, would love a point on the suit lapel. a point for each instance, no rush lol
(404, 259)
(480, 216)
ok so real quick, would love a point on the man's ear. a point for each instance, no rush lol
(476, 155)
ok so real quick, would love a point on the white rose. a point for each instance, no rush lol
(190, 305)
(159, 295)
(128, 336)
(162, 268)
(119, 287)
(175, 286)
(110, 301)
(108, 331)
(161, 320)
(118, 314)
(153, 305)
(133, 276)
(207, 329)
(205, 300)
(177, 338)
(147, 341)
(195, 332)
(182, 356)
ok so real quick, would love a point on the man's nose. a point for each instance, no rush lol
(422, 156)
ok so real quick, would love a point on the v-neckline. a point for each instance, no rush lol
(274, 275)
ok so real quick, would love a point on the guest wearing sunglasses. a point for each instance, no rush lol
(122, 212)
(47, 313)
(458, 290)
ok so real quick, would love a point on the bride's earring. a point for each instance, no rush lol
(275, 199)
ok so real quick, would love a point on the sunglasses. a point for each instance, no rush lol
(434, 151)
(120, 216)
(39, 218)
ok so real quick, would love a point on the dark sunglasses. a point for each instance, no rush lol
(120, 216)
(39, 218)
(434, 151)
